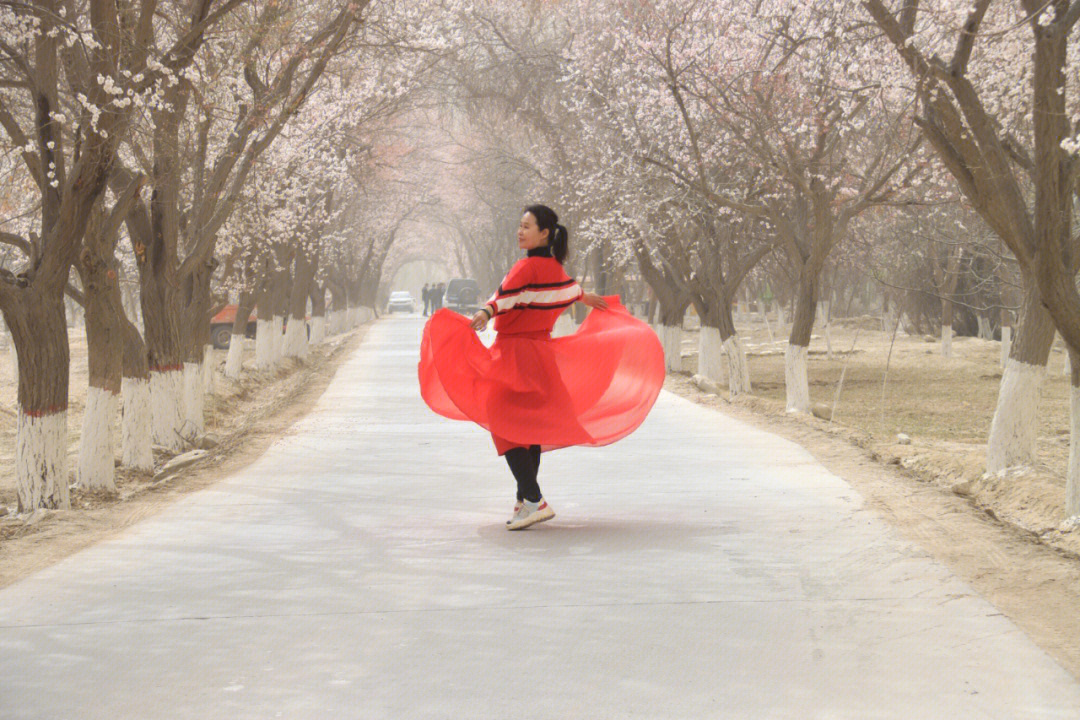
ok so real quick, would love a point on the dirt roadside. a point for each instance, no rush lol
(1033, 583)
(248, 420)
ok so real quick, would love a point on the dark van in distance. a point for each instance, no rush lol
(463, 295)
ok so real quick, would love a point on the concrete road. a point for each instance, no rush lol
(699, 568)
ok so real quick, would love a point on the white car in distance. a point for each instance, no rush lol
(401, 300)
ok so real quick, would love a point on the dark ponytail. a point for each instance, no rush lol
(558, 238)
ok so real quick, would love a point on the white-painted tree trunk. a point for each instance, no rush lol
(194, 422)
(1066, 364)
(96, 468)
(318, 330)
(826, 317)
(278, 332)
(234, 361)
(710, 350)
(781, 318)
(671, 339)
(946, 341)
(41, 475)
(1014, 428)
(1072, 479)
(264, 344)
(295, 344)
(135, 423)
(738, 369)
(208, 369)
(890, 320)
(166, 408)
(796, 382)
(1006, 344)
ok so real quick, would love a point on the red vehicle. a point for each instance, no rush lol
(221, 326)
(222, 323)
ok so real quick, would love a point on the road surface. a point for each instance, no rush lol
(699, 568)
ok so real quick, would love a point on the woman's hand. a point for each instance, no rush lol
(479, 320)
(595, 301)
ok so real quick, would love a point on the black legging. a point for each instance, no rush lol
(525, 464)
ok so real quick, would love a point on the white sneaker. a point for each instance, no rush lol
(530, 513)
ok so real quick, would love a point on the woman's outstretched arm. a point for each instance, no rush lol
(593, 300)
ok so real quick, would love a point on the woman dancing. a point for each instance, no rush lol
(532, 392)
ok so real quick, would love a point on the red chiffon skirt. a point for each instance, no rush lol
(592, 387)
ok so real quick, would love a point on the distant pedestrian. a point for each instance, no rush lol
(439, 290)
(426, 294)
(531, 391)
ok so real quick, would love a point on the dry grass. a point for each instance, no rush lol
(944, 404)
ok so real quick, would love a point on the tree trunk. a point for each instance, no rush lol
(672, 309)
(352, 301)
(193, 400)
(1007, 294)
(1015, 425)
(946, 276)
(946, 327)
(338, 304)
(39, 331)
(195, 338)
(826, 313)
(796, 382)
(281, 297)
(160, 317)
(763, 310)
(367, 293)
(1072, 478)
(264, 333)
(209, 359)
(710, 348)
(718, 336)
(136, 420)
(296, 333)
(669, 303)
(1006, 338)
(781, 320)
(318, 313)
(234, 363)
(105, 343)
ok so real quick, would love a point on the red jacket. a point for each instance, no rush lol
(533, 295)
